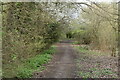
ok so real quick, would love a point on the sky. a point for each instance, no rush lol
(59, 0)
(98, 0)
(75, 15)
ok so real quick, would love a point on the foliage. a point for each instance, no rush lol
(99, 31)
(102, 28)
(80, 35)
(86, 49)
(75, 42)
(28, 30)
(34, 63)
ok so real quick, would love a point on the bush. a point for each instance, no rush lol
(28, 30)
(82, 36)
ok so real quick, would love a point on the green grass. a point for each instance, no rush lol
(86, 50)
(35, 64)
(81, 49)
(75, 42)
(84, 74)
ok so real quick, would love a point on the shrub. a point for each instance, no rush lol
(28, 30)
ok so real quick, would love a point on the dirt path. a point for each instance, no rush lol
(62, 65)
(68, 62)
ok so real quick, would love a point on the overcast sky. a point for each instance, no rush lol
(98, 0)
(59, 0)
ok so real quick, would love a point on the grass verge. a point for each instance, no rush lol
(35, 64)
(93, 52)
(75, 42)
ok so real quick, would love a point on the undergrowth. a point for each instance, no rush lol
(93, 72)
(36, 63)
(75, 42)
(85, 49)
(97, 73)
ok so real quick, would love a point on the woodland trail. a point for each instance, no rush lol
(62, 65)
(67, 63)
